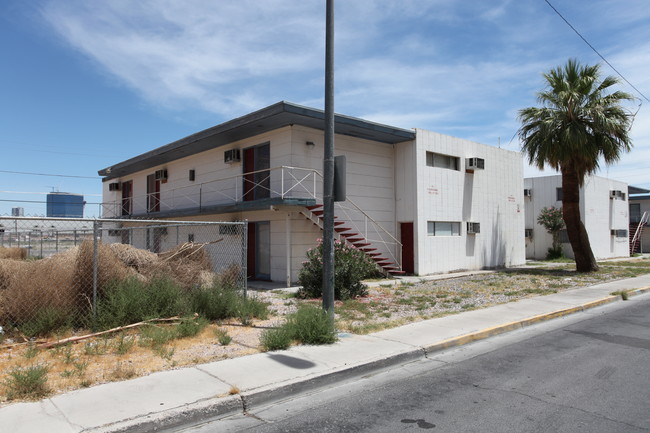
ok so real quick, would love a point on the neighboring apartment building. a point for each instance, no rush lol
(603, 208)
(418, 202)
(639, 215)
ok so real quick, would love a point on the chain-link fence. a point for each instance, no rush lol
(54, 269)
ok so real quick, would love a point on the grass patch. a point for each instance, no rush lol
(27, 382)
(308, 325)
(222, 336)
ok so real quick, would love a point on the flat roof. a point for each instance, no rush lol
(267, 119)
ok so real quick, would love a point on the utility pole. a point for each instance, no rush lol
(328, 167)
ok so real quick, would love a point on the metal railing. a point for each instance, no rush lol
(283, 182)
(639, 230)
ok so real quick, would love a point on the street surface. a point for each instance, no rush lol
(582, 373)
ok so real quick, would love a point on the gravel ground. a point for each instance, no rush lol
(387, 305)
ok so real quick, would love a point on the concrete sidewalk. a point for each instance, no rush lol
(174, 397)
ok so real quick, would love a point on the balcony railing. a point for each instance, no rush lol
(279, 182)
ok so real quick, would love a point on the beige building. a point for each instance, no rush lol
(418, 202)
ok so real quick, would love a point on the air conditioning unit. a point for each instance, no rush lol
(529, 233)
(115, 186)
(161, 174)
(616, 194)
(528, 192)
(473, 228)
(619, 233)
(232, 155)
(475, 164)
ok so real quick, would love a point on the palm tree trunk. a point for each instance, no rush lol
(585, 260)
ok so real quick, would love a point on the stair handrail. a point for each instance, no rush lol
(639, 229)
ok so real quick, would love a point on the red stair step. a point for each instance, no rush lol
(316, 206)
(342, 229)
(347, 235)
(396, 272)
(373, 255)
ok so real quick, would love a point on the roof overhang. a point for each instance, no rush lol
(636, 190)
(267, 119)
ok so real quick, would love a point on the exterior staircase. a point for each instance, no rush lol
(347, 234)
(635, 233)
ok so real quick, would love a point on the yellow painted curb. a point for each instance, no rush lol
(506, 327)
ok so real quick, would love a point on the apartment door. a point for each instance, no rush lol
(153, 193)
(406, 238)
(127, 198)
(257, 177)
(258, 260)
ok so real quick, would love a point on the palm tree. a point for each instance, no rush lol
(579, 122)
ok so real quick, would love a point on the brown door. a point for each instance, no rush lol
(127, 200)
(256, 172)
(406, 230)
(250, 256)
(153, 193)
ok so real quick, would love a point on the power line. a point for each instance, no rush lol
(595, 50)
(53, 175)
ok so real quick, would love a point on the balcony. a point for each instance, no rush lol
(293, 186)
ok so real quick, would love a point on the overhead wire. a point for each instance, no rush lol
(595, 50)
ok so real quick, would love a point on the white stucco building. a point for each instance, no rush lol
(418, 202)
(603, 208)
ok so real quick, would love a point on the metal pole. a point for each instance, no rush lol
(95, 267)
(328, 167)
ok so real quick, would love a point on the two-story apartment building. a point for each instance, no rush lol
(639, 217)
(603, 208)
(418, 202)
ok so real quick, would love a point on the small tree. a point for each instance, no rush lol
(551, 219)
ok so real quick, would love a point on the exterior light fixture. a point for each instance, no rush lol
(310, 143)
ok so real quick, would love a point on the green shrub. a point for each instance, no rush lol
(47, 321)
(224, 301)
(275, 339)
(191, 326)
(308, 325)
(132, 301)
(311, 325)
(554, 253)
(27, 382)
(350, 267)
(222, 336)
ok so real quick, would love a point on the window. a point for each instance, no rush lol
(443, 228)
(442, 161)
(619, 233)
(558, 194)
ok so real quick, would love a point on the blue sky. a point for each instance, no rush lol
(86, 84)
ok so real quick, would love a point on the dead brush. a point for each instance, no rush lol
(13, 253)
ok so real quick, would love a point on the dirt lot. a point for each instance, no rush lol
(131, 353)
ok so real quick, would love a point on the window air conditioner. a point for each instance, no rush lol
(115, 186)
(161, 174)
(473, 228)
(528, 192)
(232, 155)
(475, 164)
(529, 233)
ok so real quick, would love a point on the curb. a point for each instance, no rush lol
(212, 408)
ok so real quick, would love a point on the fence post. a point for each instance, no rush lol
(95, 267)
(244, 256)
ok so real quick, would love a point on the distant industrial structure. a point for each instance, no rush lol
(65, 205)
(17, 211)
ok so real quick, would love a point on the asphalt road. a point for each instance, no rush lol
(576, 374)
